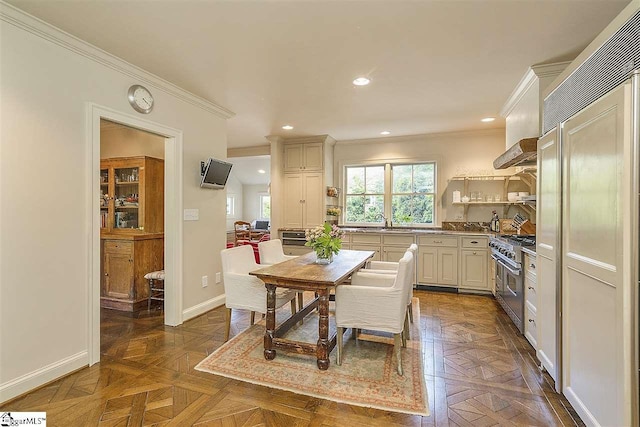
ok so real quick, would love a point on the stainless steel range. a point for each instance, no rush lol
(507, 254)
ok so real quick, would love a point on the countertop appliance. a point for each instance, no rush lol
(506, 251)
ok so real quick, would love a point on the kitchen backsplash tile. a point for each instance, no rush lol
(465, 226)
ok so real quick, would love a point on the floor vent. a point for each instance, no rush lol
(604, 70)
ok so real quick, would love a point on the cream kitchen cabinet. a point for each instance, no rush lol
(303, 157)
(367, 242)
(531, 299)
(438, 260)
(474, 260)
(304, 204)
(395, 245)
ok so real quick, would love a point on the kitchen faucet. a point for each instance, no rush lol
(386, 220)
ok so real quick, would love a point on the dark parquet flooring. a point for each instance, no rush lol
(479, 372)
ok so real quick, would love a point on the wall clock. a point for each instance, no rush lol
(140, 99)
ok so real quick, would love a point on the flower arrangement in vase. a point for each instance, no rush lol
(325, 240)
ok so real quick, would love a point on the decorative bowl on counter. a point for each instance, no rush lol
(465, 199)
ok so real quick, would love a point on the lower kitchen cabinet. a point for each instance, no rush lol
(474, 266)
(531, 299)
(125, 261)
(367, 242)
(438, 266)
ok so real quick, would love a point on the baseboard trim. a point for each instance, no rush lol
(203, 307)
(39, 377)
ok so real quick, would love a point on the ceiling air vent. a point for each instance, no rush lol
(605, 69)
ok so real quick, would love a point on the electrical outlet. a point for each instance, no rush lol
(218, 279)
(205, 281)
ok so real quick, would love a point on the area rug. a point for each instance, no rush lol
(366, 378)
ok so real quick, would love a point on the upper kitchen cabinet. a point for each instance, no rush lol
(523, 114)
(306, 168)
(303, 157)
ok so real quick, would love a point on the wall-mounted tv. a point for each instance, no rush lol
(215, 174)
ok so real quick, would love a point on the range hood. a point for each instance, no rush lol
(522, 153)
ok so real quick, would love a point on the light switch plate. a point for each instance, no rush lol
(191, 214)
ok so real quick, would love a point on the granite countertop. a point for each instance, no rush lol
(531, 250)
(403, 230)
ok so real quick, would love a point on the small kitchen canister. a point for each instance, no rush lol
(456, 197)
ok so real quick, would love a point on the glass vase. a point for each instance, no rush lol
(324, 257)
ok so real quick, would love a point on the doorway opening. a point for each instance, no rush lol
(118, 209)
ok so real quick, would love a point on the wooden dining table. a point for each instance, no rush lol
(303, 274)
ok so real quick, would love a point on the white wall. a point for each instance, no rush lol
(45, 86)
(124, 141)
(455, 153)
(251, 205)
(234, 188)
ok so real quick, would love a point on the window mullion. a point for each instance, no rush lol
(386, 197)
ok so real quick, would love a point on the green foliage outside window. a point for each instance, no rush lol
(412, 196)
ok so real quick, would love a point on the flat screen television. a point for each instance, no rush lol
(215, 174)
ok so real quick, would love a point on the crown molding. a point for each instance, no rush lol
(533, 74)
(29, 23)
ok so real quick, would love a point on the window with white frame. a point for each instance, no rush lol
(413, 194)
(404, 194)
(364, 195)
(230, 206)
(265, 206)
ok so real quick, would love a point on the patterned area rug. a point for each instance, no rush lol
(366, 378)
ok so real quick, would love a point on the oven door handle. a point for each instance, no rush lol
(506, 267)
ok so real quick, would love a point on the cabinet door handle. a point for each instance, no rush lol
(531, 287)
(437, 241)
(106, 274)
(474, 252)
(532, 321)
(475, 242)
(532, 265)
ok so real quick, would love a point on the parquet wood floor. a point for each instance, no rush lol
(479, 372)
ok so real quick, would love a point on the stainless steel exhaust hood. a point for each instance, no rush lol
(522, 153)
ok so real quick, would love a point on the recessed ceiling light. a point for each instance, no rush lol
(385, 132)
(287, 127)
(361, 81)
(261, 171)
(488, 119)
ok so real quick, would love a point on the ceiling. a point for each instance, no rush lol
(246, 169)
(434, 65)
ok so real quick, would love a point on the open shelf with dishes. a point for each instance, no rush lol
(526, 200)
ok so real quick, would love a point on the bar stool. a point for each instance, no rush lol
(156, 286)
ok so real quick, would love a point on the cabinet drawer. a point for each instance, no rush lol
(118, 246)
(397, 240)
(530, 327)
(365, 238)
(475, 242)
(531, 291)
(448, 241)
(376, 249)
(529, 264)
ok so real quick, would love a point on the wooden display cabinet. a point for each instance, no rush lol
(132, 239)
(132, 194)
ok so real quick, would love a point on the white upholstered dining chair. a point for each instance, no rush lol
(271, 252)
(388, 267)
(373, 301)
(246, 292)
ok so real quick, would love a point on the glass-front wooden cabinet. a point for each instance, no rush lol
(132, 194)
